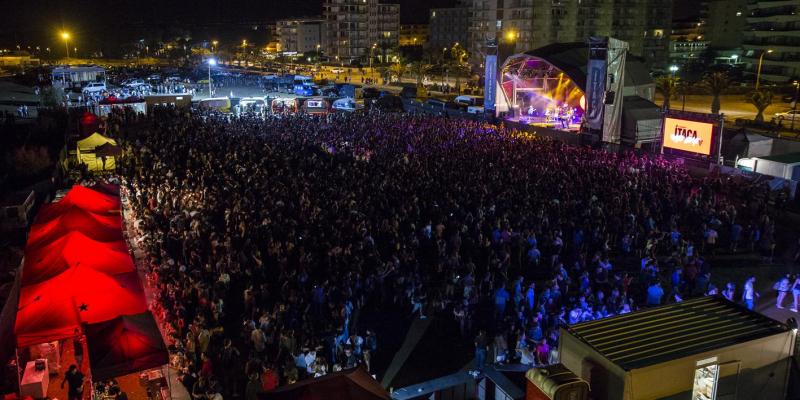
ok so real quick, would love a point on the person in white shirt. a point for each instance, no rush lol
(749, 295)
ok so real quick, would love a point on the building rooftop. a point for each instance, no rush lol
(674, 331)
(783, 158)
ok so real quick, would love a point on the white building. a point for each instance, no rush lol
(300, 35)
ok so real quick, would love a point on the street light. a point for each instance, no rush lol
(673, 69)
(760, 60)
(214, 44)
(211, 62)
(735, 58)
(370, 55)
(511, 35)
(65, 36)
(794, 101)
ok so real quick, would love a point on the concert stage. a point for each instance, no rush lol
(543, 122)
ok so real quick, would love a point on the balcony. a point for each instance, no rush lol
(766, 33)
(772, 3)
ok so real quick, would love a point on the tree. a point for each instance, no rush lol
(760, 99)
(399, 69)
(667, 85)
(715, 84)
(419, 69)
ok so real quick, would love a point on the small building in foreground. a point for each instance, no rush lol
(705, 348)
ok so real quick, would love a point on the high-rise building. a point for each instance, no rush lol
(644, 24)
(299, 35)
(687, 41)
(447, 26)
(359, 29)
(726, 22)
(774, 33)
(413, 35)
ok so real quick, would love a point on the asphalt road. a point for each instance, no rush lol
(733, 106)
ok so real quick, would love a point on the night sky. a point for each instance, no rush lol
(38, 21)
(104, 23)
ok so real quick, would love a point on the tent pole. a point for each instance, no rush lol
(19, 379)
(169, 379)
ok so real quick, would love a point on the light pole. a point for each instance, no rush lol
(673, 69)
(794, 102)
(210, 62)
(65, 36)
(214, 44)
(371, 49)
(760, 60)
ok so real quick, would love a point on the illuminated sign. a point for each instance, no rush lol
(314, 104)
(691, 136)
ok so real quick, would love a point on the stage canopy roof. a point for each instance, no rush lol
(354, 384)
(124, 345)
(573, 58)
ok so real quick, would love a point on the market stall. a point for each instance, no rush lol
(125, 345)
(87, 153)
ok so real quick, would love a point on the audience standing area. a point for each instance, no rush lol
(707, 347)
(78, 285)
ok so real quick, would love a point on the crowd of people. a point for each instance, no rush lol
(279, 245)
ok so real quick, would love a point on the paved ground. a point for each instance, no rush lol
(733, 106)
(13, 95)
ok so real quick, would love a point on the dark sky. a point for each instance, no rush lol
(35, 21)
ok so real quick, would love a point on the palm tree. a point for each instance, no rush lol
(716, 83)
(667, 85)
(419, 68)
(760, 99)
(399, 69)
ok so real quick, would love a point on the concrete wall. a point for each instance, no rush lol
(606, 380)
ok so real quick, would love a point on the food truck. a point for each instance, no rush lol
(317, 105)
(283, 105)
(217, 103)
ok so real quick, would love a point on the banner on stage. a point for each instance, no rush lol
(596, 92)
(490, 82)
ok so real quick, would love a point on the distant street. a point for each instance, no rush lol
(733, 106)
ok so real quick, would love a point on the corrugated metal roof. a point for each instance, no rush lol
(674, 331)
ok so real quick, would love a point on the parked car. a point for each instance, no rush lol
(788, 115)
(135, 83)
(94, 88)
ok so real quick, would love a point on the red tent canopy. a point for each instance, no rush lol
(354, 384)
(81, 197)
(124, 345)
(72, 250)
(56, 308)
(89, 124)
(104, 228)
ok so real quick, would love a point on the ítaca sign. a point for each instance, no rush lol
(691, 136)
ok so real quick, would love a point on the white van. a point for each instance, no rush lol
(94, 88)
(475, 110)
(468, 100)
